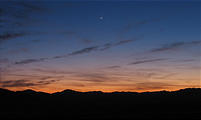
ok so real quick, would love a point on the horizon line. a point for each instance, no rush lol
(102, 91)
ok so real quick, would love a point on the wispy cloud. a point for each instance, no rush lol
(153, 86)
(175, 46)
(24, 83)
(78, 52)
(113, 67)
(81, 51)
(147, 61)
(92, 77)
(110, 45)
(17, 83)
(85, 50)
(35, 76)
(53, 71)
(26, 61)
(166, 76)
(19, 10)
(16, 15)
(10, 35)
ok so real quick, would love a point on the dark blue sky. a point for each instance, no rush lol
(100, 45)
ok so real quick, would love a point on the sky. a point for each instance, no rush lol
(100, 45)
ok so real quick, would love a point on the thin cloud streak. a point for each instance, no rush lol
(49, 71)
(26, 61)
(25, 83)
(85, 50)
(175, 46)
(78, 52)
(10, 35)
(153, 85)
(21, 10)
(146, 61)
(110, 45)
(113, 67)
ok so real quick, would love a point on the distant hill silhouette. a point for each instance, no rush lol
(186, 91)
(70, 104)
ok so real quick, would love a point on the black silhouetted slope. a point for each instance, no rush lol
(70, 104)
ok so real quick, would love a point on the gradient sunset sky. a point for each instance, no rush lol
(100, 45)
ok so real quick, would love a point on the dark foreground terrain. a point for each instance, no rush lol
(69, 104)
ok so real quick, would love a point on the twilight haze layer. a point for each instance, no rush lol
(99, 45)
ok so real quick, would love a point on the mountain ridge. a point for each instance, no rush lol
(69, 104)
(70, 91)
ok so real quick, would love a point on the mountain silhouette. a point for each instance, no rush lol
(70, 104)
